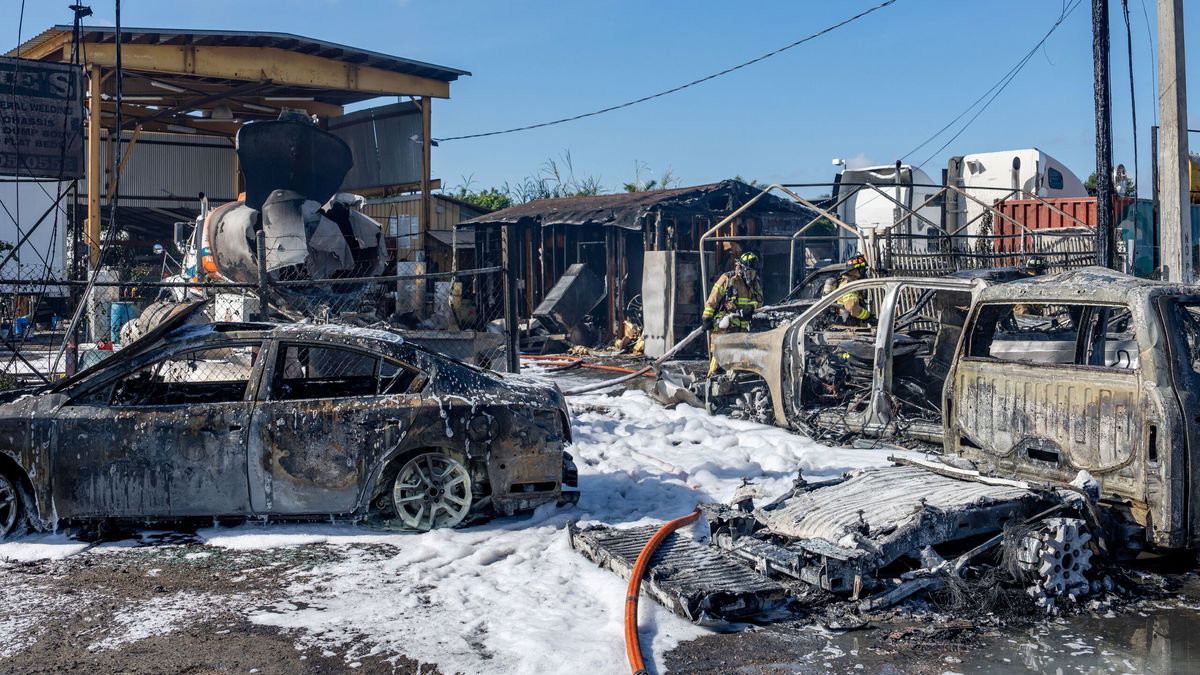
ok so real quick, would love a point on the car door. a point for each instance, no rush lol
(164, 439)
(1049, 388)
(327, 416)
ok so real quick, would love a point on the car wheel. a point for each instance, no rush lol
(10, 507)
(432, 490)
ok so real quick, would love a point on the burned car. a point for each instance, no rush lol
(258, 419)
(831, 380)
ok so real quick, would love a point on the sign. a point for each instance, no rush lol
(41, 119)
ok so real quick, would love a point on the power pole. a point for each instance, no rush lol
(1174, 197)
(1105, 234)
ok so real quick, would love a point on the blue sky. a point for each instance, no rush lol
(869, 91)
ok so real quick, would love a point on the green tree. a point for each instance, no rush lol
(642, 182)
(1092, 190)
(492, 199)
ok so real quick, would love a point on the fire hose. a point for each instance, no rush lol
(633, 646)
(570, 362)
(669, 355)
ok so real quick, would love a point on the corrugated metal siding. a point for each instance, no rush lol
(170, 170)
(380, 140)
(1041, 215)
(882, 498)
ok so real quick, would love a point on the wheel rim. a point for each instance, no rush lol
(432, 490)
(8, 506)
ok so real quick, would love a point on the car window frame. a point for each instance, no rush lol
(968, 341)
(109, 377)
(267, 390)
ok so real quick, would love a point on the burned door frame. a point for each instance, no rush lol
(878, 415)
(364, 429)
(1050, 420)
(169, 473)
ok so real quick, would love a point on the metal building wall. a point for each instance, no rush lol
(171, 170)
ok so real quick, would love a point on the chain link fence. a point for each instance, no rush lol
(459, 314)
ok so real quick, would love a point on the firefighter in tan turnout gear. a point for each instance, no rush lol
(851, 306)
(732, 301)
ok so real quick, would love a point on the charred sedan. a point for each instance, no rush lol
(240, 419)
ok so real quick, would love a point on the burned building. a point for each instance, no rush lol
(627, 239)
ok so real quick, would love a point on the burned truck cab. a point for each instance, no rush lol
(1088, 370)
(829, 379)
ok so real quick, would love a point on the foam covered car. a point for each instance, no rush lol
(283, 421)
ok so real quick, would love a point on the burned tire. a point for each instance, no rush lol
(11, 507)
(432, 490)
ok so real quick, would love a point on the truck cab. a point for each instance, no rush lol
(1088, 370)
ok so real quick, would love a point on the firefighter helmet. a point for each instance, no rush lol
(749, 260)
(857, 262)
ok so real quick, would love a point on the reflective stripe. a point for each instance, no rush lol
(863, 315)
(709, 311)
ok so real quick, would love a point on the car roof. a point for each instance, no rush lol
(1084, 285)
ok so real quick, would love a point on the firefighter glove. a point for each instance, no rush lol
(747, 312)
(707, 322)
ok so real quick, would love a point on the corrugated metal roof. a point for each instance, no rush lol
(233, 38)
(627, 209)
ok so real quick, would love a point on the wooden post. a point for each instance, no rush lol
(92, 232)
(1174, 198)
(426, 154)
(509, 280)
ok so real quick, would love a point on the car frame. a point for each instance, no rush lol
(457, 443)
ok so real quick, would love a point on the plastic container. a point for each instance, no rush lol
(120, 314)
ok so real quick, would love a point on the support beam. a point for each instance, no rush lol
(1174, 198)
(265, 63)
(92, 232)
(426, 156)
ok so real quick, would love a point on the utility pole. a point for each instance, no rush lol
(1105, 234)
(1174, 196)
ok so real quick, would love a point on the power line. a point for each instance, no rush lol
(675, 89)
(994, 91)
(1132, 92)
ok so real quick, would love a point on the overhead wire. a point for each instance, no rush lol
(994, 91)
(1132, 93)
(674, 89)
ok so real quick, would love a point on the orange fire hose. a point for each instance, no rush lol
(633, 647)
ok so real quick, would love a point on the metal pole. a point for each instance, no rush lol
(509, 281)
(1175, 209)
(260, 239)
(1105, 234)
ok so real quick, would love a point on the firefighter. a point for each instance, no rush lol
(851, 306)
(733, 299)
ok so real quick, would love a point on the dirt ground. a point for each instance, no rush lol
(123, 610)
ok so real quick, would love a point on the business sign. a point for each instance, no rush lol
(41, 119)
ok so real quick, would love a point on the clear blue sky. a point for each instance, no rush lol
(868, 92)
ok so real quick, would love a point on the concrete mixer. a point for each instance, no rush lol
(292, 171)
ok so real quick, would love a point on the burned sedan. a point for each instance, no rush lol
(241, 419)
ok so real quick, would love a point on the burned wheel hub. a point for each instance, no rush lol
(1055, 554)
(8, 506)
(432, 490)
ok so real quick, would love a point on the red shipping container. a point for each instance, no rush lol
(1044, 215)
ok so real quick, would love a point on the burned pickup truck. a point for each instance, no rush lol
(1063, 416)
(1037, 378)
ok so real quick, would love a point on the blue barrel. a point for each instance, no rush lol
(20, 326)
(120, 314)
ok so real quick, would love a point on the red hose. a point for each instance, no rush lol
(633, 647)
